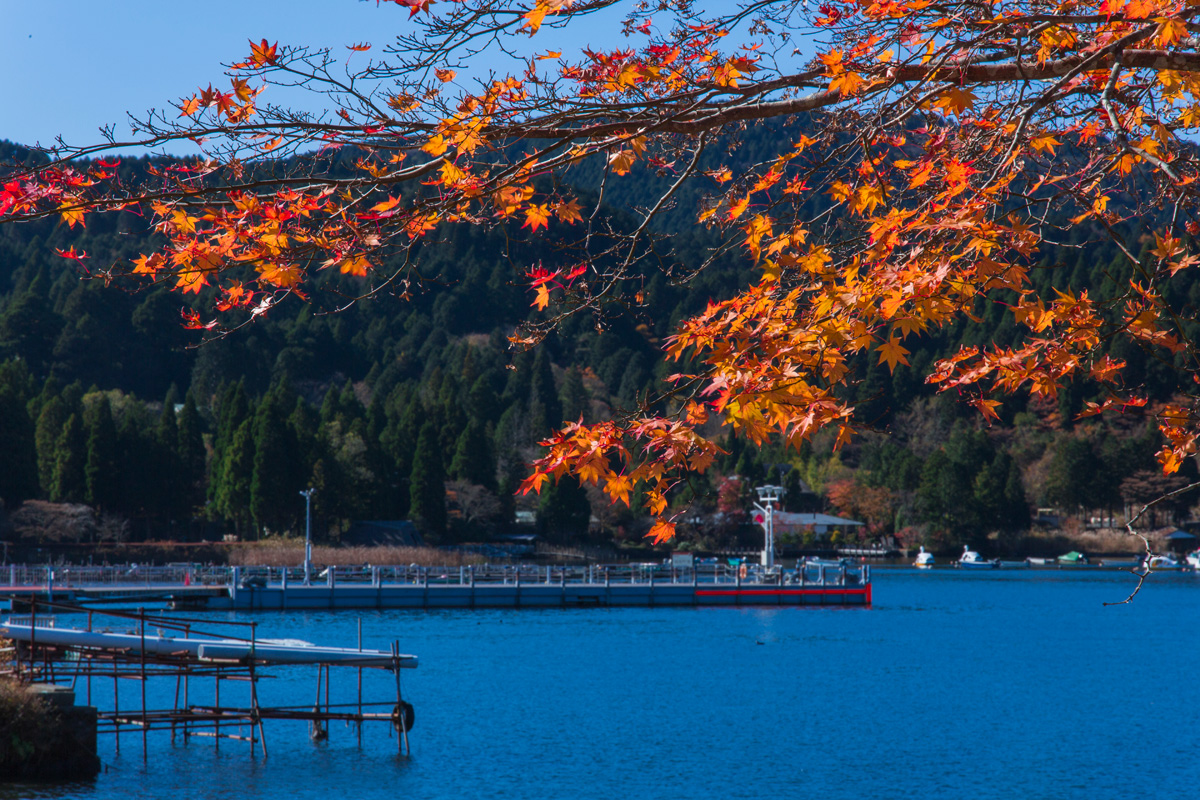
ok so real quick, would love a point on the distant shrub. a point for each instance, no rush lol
(29, 732)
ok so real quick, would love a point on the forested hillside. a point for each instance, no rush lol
(412, 404)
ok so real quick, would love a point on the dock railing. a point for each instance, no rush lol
(811, 573)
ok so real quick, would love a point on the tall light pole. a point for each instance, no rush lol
(768, 496)
(307, 495)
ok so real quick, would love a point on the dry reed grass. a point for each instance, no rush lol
(290, 553)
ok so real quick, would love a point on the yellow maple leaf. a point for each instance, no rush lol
(848, 83)
(867, 198)
(71, 216)
(542, 299)
(436, 145)
(1169, 31)
(1047, 142)
(840, 191)
(451, 174)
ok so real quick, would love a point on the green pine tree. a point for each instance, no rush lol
(427, 484)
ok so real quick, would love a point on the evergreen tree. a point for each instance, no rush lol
(1071, 479)
(545, 410)
(563, 509)
(233, 408)
(101, 475)
(574, 396)
(276, 466)
(49, 427)
(18, 452)
(232, 499)
(473, 460)
(191, 455)
(427, 484)
(29, 327)
(70, 483)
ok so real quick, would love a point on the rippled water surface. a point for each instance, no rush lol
(1014, 684)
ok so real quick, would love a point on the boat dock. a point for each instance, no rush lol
(184, 653)
(487, 586)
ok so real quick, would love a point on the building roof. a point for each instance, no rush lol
(788, 518)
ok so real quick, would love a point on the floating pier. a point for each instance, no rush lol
(812, 583)
(186, 654)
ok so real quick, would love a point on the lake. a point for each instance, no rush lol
(1007, 684)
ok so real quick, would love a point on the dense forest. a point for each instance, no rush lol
(417, 407)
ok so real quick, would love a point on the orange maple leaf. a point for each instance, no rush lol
(955, 100)
(386, 205)
(661, 531)
(356, 265)
(537, 215)
(263, 53)
(568, 211)
(893, 353)
(533, 483)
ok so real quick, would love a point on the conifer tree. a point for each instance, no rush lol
(18, 452)
(70, 484)
(49, 426)
(191, 453)
(427, 484)
(101, 475)
(563, 509)
(473, 460)
(275, 483)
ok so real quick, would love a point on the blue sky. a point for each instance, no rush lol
(71, 66)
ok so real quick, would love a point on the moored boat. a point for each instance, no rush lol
(924, 560)
(1192, 559)
(972, 560)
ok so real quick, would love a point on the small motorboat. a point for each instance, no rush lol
(972, 560)
(1163, 562)
(1192, 559)
(1073, 558)
(924, 560)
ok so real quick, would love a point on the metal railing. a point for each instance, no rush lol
(811, 573)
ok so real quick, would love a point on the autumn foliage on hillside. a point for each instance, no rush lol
(927, 150)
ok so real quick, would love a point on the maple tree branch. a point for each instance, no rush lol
(1144, 571)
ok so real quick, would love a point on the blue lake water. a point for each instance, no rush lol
(1016, 684)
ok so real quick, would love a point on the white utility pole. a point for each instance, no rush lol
(768, 497)
(307, 495)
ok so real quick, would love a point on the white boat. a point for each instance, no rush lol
(972, 560)
(1163, 562)
(924, 560)
(1192, 559)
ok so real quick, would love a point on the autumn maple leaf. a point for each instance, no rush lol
(955, 100)
(661, 531)
(893, 353)
(537, 215)
(263, 53)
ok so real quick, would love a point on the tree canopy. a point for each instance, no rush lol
(924, 152)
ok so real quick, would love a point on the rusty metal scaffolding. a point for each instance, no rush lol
(32, 662)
